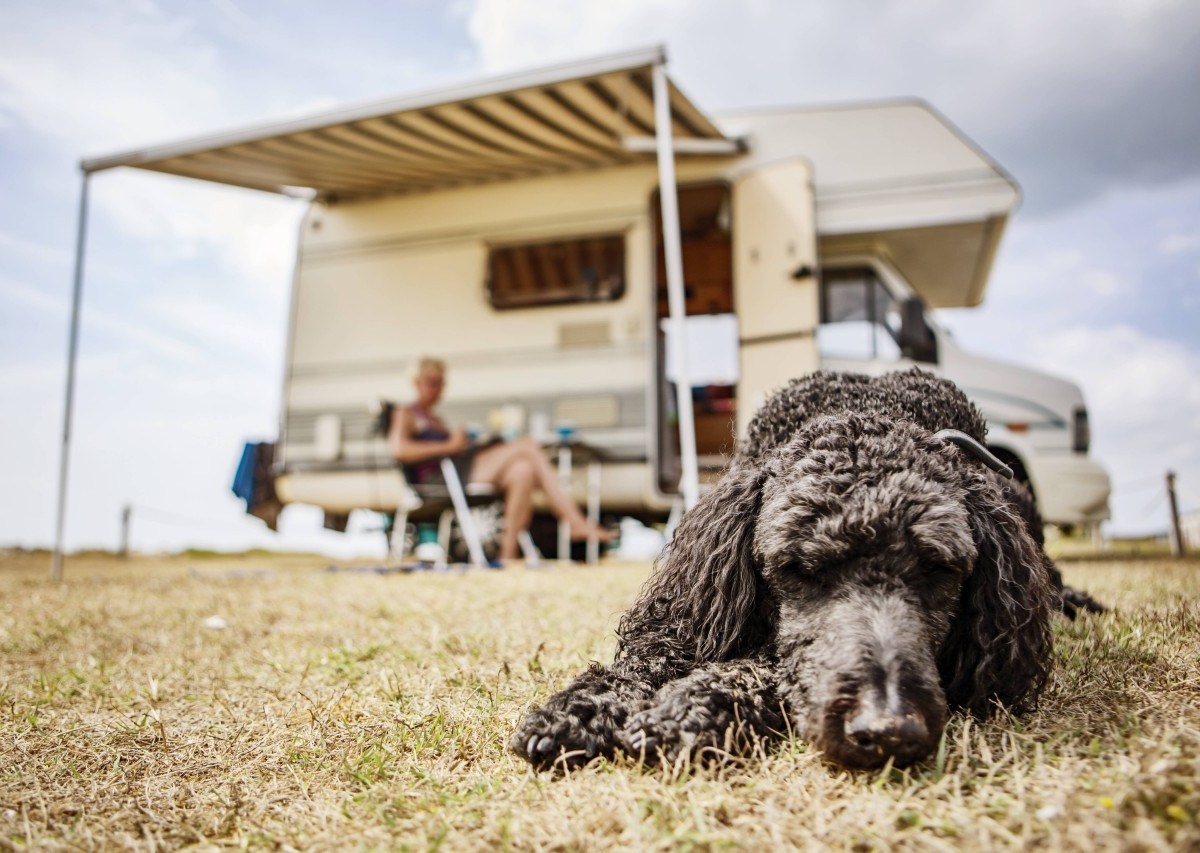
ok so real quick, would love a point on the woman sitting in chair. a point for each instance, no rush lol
(419, 440)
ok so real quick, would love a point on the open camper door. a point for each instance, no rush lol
(775, 285)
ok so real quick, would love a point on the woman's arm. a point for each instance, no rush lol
(407, 450)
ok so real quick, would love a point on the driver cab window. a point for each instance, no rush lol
(859, 317)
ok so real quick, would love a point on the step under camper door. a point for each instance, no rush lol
(774, 279)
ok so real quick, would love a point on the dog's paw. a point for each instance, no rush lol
(673, 729)
(560, 738)
(709, 715)
(656, 733)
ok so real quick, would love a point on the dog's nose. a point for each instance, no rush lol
(878, 736)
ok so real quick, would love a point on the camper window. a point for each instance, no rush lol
(554, 272)
(859, 317)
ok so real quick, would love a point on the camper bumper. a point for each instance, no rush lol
(624, 488)
(1072, 490)
(343, 491)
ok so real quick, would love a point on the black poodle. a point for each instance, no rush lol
(861, 569)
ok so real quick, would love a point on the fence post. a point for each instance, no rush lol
(1178, 546)
(126, 513)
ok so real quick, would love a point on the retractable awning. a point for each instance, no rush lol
(581, 116)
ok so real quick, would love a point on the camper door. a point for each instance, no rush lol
(749, 256)
(775, 284)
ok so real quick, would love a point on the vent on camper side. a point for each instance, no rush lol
(592, 334)
(585, 412)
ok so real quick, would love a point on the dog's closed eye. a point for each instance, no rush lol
(803, 530)
(943, 534)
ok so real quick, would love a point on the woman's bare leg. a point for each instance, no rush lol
(489, 467)
(517, 480)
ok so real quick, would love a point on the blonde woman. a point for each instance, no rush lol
(420, 439)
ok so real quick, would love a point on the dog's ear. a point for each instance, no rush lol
(705, 597)
(1000, 643)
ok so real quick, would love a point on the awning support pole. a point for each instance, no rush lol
(56, 562)
(689, 484)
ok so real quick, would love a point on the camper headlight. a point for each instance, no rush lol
(1081, 433)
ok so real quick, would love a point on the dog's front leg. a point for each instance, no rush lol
(580, 722)
(722, 708)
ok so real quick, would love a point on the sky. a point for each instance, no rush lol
(1093, 106)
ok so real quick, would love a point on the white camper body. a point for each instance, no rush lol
(511, 228)
(886, 187)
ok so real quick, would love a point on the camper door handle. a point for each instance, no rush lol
(804, 271)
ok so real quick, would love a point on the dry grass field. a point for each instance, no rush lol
(341, 710)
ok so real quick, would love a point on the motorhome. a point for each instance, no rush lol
(515, 228)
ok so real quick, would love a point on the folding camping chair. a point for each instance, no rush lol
(448, 503)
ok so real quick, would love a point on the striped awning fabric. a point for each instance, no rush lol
(583, 116)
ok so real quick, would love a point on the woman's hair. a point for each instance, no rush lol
(427, 364)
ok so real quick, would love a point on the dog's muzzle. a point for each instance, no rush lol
(872, 687)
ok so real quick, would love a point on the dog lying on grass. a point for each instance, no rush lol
(863, 569)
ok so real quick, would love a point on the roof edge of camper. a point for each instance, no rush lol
(987, 173)
(492, 85)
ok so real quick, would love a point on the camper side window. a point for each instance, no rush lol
(555, 272)
(859, 317)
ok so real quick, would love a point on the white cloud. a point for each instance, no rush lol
(513, 34)
(219, 327)
(1135, 380)
(1144, 402)
(1058, 278)
(118, 75)
(121, 76)
(18, 293)
(1101, 284)
(254, 233)
(1177, 243)
(122, 328)
(38, 253)
(17, 381)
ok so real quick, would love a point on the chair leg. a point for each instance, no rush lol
(396, 540)
(445, 522)
(465, 522)
(564, 480)
(593, 512)
(533, 557)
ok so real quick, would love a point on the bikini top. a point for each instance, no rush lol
(429, 428)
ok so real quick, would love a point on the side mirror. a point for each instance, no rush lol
(917, 340)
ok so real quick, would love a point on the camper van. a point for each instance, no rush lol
(516, 229)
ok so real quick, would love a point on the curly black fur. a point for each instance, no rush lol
(852, 578)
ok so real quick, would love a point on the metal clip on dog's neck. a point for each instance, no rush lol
(975, 449)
